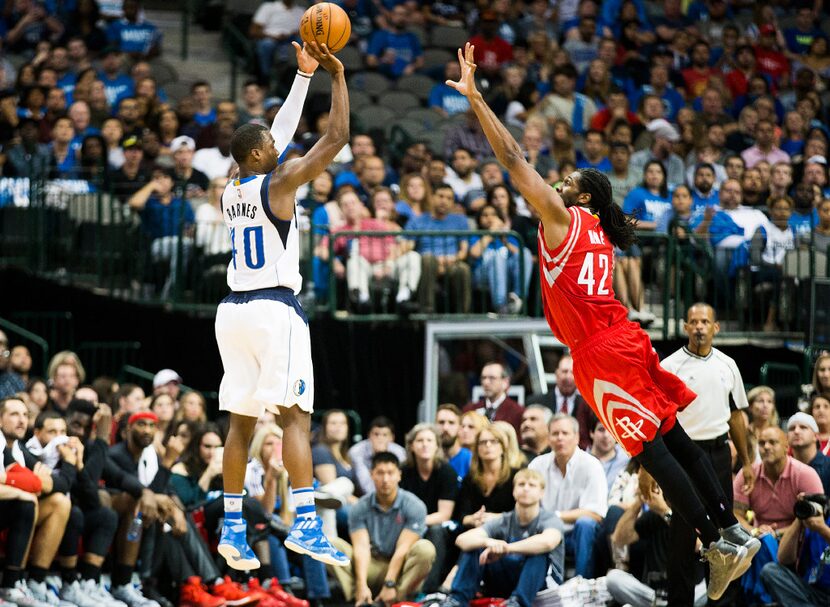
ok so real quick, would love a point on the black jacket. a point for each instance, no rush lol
(123, 459)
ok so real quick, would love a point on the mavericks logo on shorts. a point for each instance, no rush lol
(299, 387)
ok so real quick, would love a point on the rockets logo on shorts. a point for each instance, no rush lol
(299, 387)
(623, 415)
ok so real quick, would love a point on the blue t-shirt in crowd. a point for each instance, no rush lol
(405, 46)
(117, 88)
(672, 100)
(205, 119)
(793, 148)
(799, 42)
(438, 245)
(495, 245)
(811, 562)
(603, 165)
(700, 202)
(133, 37)
(448, 99)
(645, 206)
(159, 220)
(460, 462)
(67, 83)
(803, 224)
(665, 220)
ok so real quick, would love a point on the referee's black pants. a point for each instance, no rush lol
(683, 567)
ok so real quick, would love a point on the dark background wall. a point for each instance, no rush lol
(374, 368)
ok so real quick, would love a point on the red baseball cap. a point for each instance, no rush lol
(767, 29)
(142, 415)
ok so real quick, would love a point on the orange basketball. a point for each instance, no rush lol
(326, 23)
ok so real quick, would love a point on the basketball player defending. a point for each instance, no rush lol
(615, 367)
(261, 329)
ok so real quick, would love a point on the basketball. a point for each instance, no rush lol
(326, 23)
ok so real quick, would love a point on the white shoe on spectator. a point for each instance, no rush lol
(633, 315)
(646, 317)
(132, 596)
(42, 592)
(20, 595)
(99, 594)
(514, 303)
(75, 594)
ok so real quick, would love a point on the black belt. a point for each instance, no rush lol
(713, 442)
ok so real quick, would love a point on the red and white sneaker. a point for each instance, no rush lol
(233, 593)
(195, 594)
(265, 599)
(276, 590)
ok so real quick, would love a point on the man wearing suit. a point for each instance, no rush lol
(496, 405)
(564, 398)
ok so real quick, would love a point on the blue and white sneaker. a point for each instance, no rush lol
(307, 537)
(233, 545)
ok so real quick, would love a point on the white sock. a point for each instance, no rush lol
(403, 294)
(304, 502)
(233, 506)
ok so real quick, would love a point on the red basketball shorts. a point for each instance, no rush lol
(619, 374)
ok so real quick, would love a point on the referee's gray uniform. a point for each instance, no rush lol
(719, 387)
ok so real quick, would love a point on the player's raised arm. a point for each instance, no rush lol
(292, 174)
(288, 117)
(530, 184)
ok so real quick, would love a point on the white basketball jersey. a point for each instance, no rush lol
(265, 250)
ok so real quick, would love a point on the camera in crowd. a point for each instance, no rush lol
(813, 504)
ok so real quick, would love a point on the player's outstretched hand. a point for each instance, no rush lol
(305, 62)
(466, 85)
(324, 57)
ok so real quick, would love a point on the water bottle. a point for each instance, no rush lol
(134, 532)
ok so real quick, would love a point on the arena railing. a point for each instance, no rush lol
(464, 289)
(38, 347)
(81, 234)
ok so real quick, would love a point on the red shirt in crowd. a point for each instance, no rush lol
(491, 54)
(697, 80)
(772, 63)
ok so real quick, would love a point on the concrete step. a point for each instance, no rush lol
(206, 60)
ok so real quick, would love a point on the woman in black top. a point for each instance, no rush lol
(487, 490)
(428, 476)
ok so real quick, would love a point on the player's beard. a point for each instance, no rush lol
(569, 198)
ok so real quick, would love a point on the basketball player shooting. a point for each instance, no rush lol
(615, 367)
(261, 329)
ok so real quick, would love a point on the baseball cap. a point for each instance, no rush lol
(149, 415)
(182, 141)
(130, 141)
(817, 160)
(767, 29)
(272, 102)
(165, 376)
(661, 127)
(804, 419)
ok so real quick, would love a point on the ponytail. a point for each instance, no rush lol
(618, 226)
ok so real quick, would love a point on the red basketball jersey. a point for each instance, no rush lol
(577, 281)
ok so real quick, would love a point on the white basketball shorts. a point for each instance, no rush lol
(265, 346)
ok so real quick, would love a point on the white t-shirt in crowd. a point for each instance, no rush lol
(583, 485)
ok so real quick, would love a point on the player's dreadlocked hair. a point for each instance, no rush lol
(618, 226)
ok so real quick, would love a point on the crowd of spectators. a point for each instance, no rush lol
(709, 118)
(111, 495)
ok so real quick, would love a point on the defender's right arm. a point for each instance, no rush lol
(546, 201)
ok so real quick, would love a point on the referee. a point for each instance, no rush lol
(709, 420)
